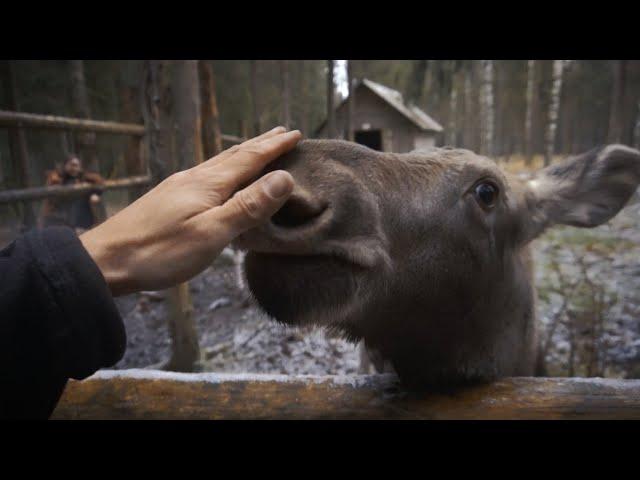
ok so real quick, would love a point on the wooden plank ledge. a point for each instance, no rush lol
(152, 394)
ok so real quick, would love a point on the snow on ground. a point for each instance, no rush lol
(236, 337)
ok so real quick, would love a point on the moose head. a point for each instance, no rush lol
(424, 255)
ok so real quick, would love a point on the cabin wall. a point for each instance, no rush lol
(424, 140)
(371, 111)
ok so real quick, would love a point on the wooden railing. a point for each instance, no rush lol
(30, 120)
(149, 394)
(38, 193)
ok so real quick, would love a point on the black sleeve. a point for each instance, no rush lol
(58, 320)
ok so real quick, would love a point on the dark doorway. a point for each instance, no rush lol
(370, 138)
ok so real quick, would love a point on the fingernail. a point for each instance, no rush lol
(279, 129)
(278, 184)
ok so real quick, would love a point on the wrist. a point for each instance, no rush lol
(109, 259)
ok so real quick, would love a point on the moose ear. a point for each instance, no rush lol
(583, 191)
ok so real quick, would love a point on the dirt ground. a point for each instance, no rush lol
(234, 335)
(588, 283)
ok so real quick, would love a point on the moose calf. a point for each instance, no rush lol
(424, 255)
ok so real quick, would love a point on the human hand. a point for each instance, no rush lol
(177, 229)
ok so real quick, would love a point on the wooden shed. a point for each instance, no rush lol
(383, 121)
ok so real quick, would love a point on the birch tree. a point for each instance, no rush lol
(351, 102)
(554, 107)
(331, 122)
(487, 107)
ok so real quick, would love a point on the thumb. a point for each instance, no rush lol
(256, 203)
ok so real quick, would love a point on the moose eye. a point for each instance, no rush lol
(486, 194)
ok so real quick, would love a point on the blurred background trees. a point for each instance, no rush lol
(500, 107)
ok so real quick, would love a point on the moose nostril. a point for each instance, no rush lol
(296, 212)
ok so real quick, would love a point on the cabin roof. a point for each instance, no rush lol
(394, 99)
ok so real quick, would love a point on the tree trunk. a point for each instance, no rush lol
(488, 113)
(565, 123)
(163, 112)
(531, 97)
(305, 98)
(158, 118)
(286, 94)
(331, 118)
(253, 80)
(636, 130)
(86, 141)
(131, 112)
(453, 107)
(187, 110)
(554, 107)
(468, 123)
(17, 141)
(185, 349)
(211, 135)
(415, 88)
(351, 102)
(616, 113)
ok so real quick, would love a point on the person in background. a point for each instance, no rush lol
(78, 212)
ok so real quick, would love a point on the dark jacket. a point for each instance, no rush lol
(58, 321)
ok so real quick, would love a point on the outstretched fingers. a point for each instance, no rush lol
(250, 206)
(244, 165)
(230, 151)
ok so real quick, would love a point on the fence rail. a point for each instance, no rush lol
(150, 394)
(31, 120)
(59, 191)
(10, 119)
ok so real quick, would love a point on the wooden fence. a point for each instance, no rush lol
(151, 394)
(10, 119)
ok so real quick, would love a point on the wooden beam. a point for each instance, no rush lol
(151, 394)
(32, 120)
(232, 139)
(58, 191)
